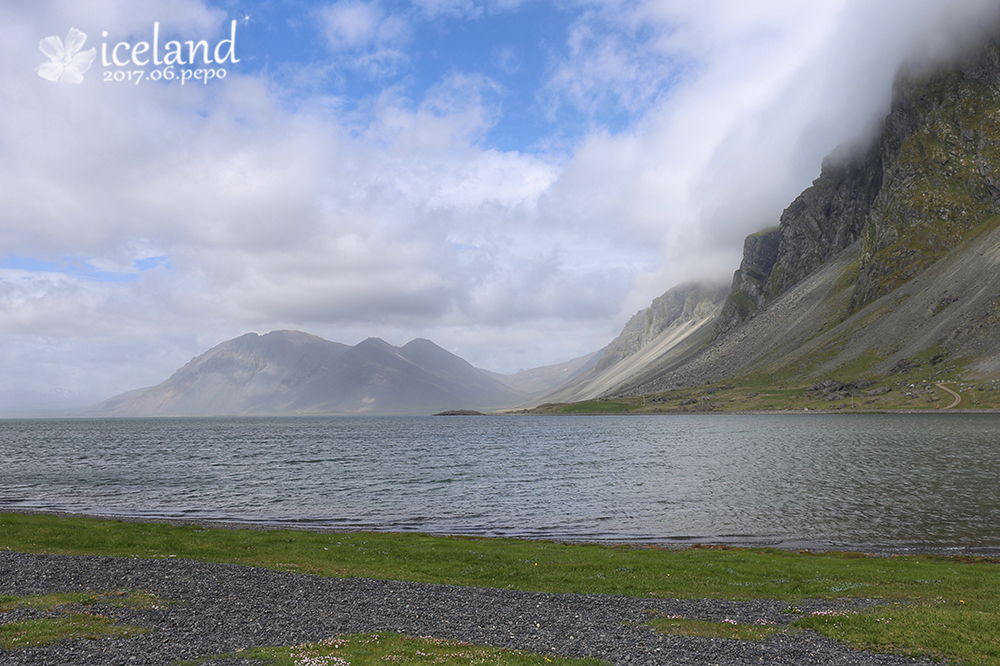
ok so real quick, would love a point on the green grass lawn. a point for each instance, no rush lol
(944, 607)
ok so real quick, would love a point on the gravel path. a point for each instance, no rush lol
(222, 608)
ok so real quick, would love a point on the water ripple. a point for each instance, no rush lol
(901, 481)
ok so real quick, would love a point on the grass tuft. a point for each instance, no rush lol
(381, 648)
(677, 626)
(116, 599)
(46, 631)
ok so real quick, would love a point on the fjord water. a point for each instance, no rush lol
(927, 482)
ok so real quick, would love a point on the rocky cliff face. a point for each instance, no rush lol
(662, 337)
(678, 305)
(941, 151)
(760, 253)
(931, 177)
(823, 221)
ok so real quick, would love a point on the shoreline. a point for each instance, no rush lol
(514, 411)
(759, 412)
(662, 543)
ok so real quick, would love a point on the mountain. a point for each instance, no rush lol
(889, 261)
(538, 381)
(40, 404)
(289, 372)
(661, 337)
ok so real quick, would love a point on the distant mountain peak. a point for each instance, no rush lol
(284, 372)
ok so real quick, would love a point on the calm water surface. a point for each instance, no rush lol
(926, 482)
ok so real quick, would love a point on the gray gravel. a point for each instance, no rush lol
(222, 608)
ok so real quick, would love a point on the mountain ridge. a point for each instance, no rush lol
(291, 372)
(891, 254)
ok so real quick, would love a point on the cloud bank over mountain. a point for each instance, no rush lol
(509, 179)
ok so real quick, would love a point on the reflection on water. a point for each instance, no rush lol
(896, 481)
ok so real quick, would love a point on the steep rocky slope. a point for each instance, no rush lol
(928, 181)
(892, 254)
(683, 304)
(663, 336)
(950, 312)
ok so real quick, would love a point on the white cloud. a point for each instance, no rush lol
(506, 59)
(468, 9)
(365, 37)
(350, 24)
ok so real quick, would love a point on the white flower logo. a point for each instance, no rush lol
(66, 63)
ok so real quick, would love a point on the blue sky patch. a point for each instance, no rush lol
(81, 268)
(353, 51)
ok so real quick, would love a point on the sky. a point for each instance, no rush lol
(512, 179)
